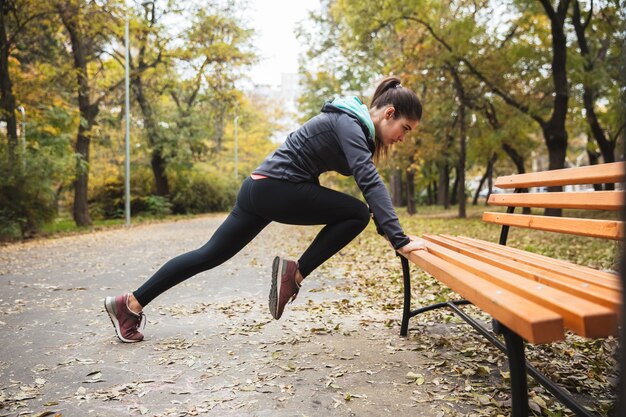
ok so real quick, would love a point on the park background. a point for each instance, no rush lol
(508, 87)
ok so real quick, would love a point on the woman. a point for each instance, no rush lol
(345, 137)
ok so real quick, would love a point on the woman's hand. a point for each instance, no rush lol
(416, 243)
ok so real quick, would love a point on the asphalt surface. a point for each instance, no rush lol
(211, 347)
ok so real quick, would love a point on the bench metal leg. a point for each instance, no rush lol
(406, 312)
(514, 349)
(517, 368)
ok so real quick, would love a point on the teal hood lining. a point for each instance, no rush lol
(355, 106)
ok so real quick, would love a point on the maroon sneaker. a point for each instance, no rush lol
(284, 286)
(125, 321)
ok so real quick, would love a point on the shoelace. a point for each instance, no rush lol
(142, 318)
(294, 296)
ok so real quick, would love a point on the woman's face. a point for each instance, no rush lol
(392, 130)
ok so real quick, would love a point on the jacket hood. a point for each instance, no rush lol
(352, 105)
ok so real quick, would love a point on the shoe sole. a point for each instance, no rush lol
(277, 267)
(109, 306)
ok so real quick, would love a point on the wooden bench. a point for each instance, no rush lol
(529, 296)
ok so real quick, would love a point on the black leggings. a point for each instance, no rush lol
(260, 202)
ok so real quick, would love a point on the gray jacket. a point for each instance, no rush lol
(336, 140)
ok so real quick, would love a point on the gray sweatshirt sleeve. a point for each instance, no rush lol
(354, 145)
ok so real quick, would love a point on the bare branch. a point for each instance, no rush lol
(509, 36)
(478, 74)
(619, 131)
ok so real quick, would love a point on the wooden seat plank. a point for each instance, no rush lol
(596, 200)
(610, 277)
(593, 174)
(583, 317)
(581, 273)
(607, 229)
(531, 321)
(609, 299)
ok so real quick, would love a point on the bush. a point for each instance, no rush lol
(204, 193)
(157, 206)
(108, 202)
(27, 199)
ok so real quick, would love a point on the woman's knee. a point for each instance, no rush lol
(362, 215)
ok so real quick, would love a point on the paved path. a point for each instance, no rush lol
(211, 345)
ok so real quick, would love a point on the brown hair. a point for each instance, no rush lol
(390, 92)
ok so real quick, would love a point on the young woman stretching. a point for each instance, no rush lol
(345, 137)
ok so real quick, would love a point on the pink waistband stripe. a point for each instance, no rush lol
(257, 176)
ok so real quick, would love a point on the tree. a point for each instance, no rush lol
(86, 26)
(150, 53)
(7, 98)
(595, 51)
(554, 132)
(213, 49)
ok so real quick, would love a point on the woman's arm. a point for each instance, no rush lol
(359, 157)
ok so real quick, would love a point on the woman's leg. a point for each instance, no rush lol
(239, 228)
(310, 204)
(234, 234)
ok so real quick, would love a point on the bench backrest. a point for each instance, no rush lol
(586, 200)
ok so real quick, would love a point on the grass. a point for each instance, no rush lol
(65, 225)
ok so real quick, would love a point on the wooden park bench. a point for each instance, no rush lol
(531, 297)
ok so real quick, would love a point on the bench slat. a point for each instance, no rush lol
(578, 272)
(596, 200)
(607, 229)
(593, 174)
(531, 321)
(609, 299)
(585, 318)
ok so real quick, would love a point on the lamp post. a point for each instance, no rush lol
(127, 117)
(236, 151)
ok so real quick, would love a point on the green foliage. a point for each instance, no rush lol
(30, 186)
(153, 205)
(200, 192)
(108, 201)
(27, 199)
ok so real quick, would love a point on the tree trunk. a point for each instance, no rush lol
(7, 99)
(460, 184)
(594, 159)
(443, 188)
(431, 193)
(557, 145)
(455, 187)
(492, 162)
(460, 93)
(480, 187)
(396, 187)
(517, 159)
(157, 161)
(488, 176)
(410, 191)
(88, 113)
(80, 209)
(158, 164)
